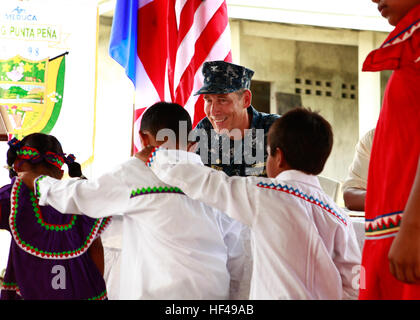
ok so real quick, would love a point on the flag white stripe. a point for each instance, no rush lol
(167, 88)
(136, 135)
(179, 5)
(146, 93)
(186, 49)
(219, 51)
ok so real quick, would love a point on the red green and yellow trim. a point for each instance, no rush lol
(151, 190)
(383, 226)
(101, 296)
(37, 188)
(48, 226)
(11, 286)
(104, 224)
(97, 227)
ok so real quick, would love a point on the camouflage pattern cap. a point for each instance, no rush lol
(224, 77)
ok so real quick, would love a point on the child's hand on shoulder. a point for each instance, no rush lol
(144, 153)
(28, 178)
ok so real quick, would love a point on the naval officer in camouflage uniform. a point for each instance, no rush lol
(233, 136)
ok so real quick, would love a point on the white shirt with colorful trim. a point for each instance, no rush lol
(173, 247)
(303, 245)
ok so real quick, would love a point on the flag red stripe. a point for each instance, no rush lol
(138, 113)
(199, 113)
(203, 46)
(152, 25)
(187, 18)
(228, 57)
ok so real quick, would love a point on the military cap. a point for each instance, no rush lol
(224, 77)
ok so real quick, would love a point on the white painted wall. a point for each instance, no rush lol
(114, 108)
(281, 61)
(355, 14)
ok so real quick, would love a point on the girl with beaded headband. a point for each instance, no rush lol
(50, 161)
(64, 251)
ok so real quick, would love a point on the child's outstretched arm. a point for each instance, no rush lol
(233, 195)
(404, 254)
(96, 198)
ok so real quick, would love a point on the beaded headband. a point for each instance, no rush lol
(34, 156)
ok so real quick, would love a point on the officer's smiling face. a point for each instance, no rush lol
(228, 111)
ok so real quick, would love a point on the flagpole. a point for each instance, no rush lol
(63, 54)
(132, 130)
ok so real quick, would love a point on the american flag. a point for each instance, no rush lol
(162, 44)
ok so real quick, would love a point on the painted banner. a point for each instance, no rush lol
(31, 94)
(48, 71)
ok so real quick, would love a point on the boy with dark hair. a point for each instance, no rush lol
(286, 135)
(304, 246)
(162, 116)
(173, 247)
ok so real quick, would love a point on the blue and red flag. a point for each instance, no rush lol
(162, 44)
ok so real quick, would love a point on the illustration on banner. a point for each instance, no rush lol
(31, 94)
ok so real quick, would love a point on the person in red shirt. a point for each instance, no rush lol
(391, 254)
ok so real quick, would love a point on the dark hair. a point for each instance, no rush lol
(165, 115)
(305, 138)
(43, 143)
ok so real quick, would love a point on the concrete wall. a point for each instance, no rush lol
(284, 62)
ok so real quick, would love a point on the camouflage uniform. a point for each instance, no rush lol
(244, 157)
(211, 156)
